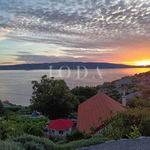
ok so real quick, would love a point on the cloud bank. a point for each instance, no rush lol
(77, 28)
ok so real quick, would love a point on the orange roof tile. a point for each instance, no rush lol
(93, 112)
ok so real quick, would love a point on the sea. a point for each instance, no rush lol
(16, 87)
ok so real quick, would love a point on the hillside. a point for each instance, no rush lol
(64, 65)
(137, 86)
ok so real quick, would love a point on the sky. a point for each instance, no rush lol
(41, 31)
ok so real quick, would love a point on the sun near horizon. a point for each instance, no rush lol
(144, 62)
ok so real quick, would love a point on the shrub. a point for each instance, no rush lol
(33, 146)
(145, 127)
(58, 140)
(31, 142)
(36, 131)
(139, 103)
(81, 143)
(3, 134)
(16, 125)
(36, 143)
(134, 133)
(115, 128)
(135, 116)
(76, 135)
(122, 125)
(9, 146)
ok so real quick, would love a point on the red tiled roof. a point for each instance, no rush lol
(93, 112)
(60, 124)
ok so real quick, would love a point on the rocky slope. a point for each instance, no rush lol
(137, 86)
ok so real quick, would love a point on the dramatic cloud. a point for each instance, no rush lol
(3, 34)
(77, 27)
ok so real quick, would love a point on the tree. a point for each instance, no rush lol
(53, 98)
(110, 90)
(1, 108)
(83, 93)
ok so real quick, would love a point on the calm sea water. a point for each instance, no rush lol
(16, 87)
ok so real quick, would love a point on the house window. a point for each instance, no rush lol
(61, 132)
(53, 132)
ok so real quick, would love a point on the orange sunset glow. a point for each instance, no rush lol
(142, 63)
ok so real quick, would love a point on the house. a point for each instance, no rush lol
(60, 127)
(93, 112)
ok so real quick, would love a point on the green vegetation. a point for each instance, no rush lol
(76, 135)
(34, 143)
(1, 109)
(139, 103)
(53, 98)
(16, 125)
(82, 143)
(145, 127)
(129, 124)
(28, 142)
(134, 133)
(8, 145)
(83, 93)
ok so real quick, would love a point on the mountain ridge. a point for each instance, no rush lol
(66, 65)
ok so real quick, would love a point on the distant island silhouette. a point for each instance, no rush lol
(66, 65)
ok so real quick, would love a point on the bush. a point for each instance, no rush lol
(135, 116)
(36, 131)
(16, 125)
(82, 143)
(9, 146)
(139, 103)
(34, 143)
(76, 135)
(125, 124)
(115, 128)
(58, 140)
(134, 133)
(145, 127)
(3, 132)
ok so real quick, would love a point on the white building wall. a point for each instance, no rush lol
(57, 133)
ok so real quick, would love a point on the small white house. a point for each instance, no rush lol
(60, 127)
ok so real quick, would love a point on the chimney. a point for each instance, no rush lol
(124, 98)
